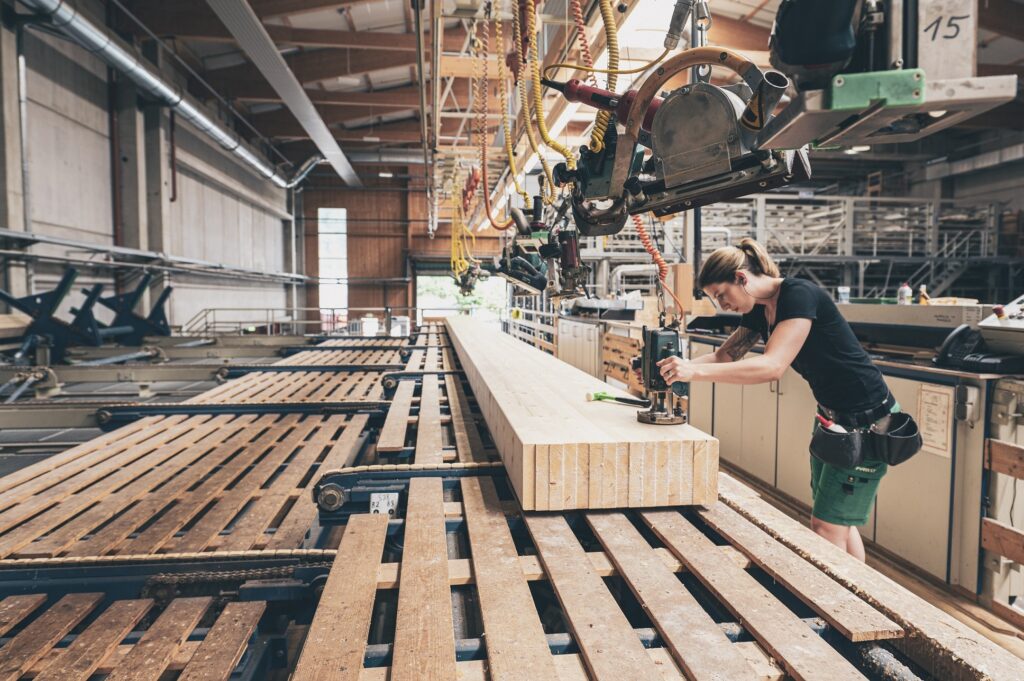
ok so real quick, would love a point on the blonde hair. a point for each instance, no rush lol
(722, 265)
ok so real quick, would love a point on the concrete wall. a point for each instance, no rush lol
(221, 212)
(1000, 184)
(68, 141)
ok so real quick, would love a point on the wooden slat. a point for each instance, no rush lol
(45, 492)
(191, 459)
(1002, 539)
(62, 504)
(221, 650)
(468, 444)
(801, 651)
(249, 529)
(337, 637)
(392, 435)
(213, 520)
(302, 516)
(150, 657)
(87, 652)
(607, 642)
(424, 645)
(174, 492)
(571, 668)
(516, 646)
(948, 647)
(88, 455)
(563, 452)
(696, 641)
(852, 617)
(216, 519)
(36, 639)
(429, 442)
(14, 609)
(1004, 457)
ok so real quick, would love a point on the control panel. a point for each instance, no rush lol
(1003, 330)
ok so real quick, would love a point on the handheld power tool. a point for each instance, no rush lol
(657, 345)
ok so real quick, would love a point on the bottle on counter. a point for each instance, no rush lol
(923, 296)
(905, 295)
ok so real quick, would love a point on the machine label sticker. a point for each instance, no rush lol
(935, 418)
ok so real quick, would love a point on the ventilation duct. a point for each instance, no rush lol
(109, 48)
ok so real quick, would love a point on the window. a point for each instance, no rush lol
(332, 232)
(439, 296)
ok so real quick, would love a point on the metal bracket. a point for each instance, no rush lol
(115, 416)
(237, 370)
(341, 493)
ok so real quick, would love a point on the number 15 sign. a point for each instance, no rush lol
(947, 38)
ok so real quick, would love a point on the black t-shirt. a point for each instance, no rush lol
(832, 360)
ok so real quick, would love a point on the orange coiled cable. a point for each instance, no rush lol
(581, 35)
(656, 256)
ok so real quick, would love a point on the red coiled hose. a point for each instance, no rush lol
(656, 256)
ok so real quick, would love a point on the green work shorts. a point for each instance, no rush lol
(844, 496)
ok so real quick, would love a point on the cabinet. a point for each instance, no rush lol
(702, 395)
(744, 418)
(579, 344)
(765, 430)
(915, 498)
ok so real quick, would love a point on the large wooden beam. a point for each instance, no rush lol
(269, 9)
(340, 113)
(399, 131)
(563, 452)
(202, 25)
(317, 65)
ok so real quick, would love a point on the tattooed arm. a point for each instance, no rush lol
(737, 345)
(727, 365)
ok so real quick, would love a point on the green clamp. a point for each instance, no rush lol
(858, 91)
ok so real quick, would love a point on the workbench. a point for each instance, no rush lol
(928, 511)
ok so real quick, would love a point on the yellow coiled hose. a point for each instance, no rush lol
(612, 38)
(538, 93)
(548, 195)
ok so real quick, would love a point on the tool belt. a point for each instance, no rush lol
(900, 441)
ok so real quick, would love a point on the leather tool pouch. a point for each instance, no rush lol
(842, 450)
(901, 440)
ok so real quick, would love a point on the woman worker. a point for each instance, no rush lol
(802, 328)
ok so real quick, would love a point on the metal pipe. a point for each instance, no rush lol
(26, 384)
(118, 359)
(417, 6)
(8, 384)
(621, 270)
(395, 156)
(147, 267)
(26, 193)
(111, 49)
(172, 150)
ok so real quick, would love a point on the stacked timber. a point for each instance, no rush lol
(563, 452)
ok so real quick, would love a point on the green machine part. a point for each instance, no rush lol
(858, 91)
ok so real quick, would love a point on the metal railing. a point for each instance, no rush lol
(854, 226)
(235, 321)
(213, 321)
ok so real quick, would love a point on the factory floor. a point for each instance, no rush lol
(967, 610)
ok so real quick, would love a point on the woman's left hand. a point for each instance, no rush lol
(675, 369)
